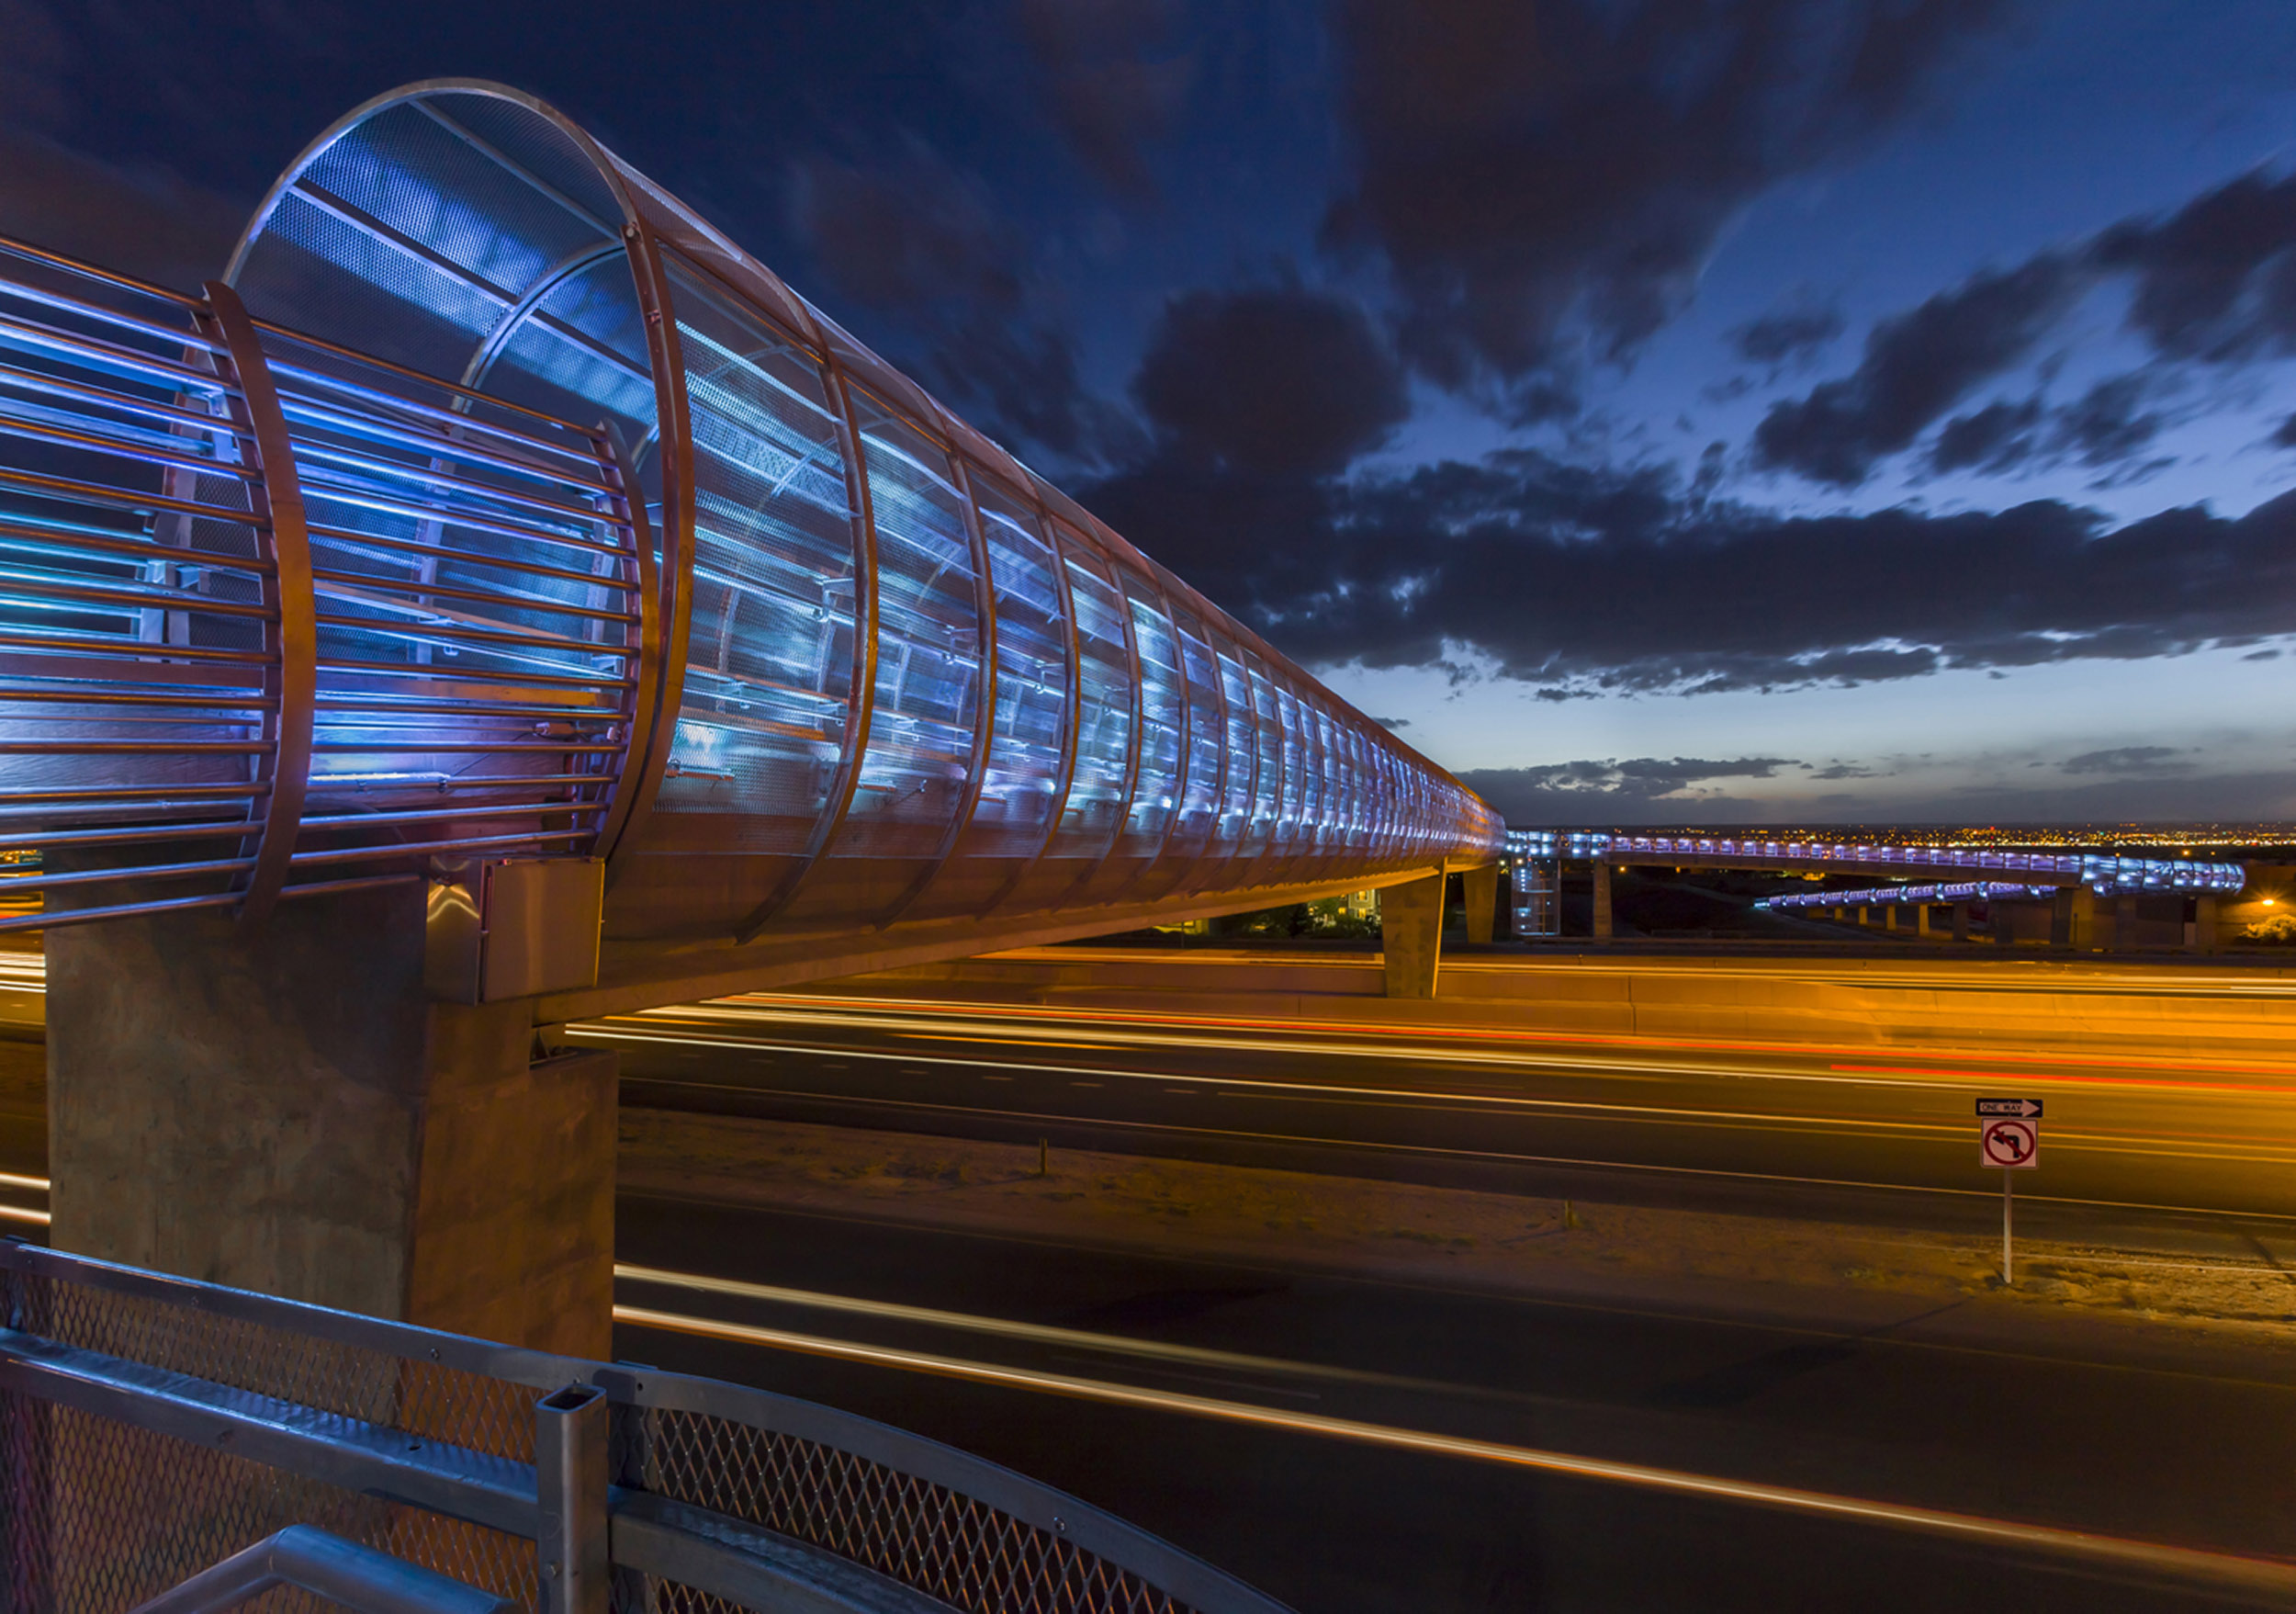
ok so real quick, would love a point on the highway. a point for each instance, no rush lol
(1722, 1124)
(1366, 1443)
(1360, 1444)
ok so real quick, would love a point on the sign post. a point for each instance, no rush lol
(2009, 1136)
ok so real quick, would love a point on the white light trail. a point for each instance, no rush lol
(2272, 1575)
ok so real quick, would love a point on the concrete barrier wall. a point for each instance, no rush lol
(2233, 1010)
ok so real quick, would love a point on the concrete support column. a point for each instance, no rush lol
(1603, 926)
(2206, 936)
(2081, 926)
(292, 1113)
(1889, 916)
(1961, 921)
(1410, 935)
(1921, 919)
(1480, 888)
(2124, 922)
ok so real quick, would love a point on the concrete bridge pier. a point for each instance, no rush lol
(1410, 935)
(1604, 927)
(295, 1112)
(1480, 888)
(2124, 922)
(1961, 921)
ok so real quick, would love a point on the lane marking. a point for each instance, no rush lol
(1488, 1033)
(858, 1100)
(1021, 1037)
(1035, 1333)
(2277, 1577)
(1415, 1098)
(1261, 1084)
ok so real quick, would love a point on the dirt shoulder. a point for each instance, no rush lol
(1814, 1273)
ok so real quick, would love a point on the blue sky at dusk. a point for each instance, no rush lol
(1817, 410)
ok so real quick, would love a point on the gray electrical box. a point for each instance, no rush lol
(513, 927)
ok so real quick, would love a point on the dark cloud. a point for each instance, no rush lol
(1609, 790)
(1277, 381)
(2128, 759)
(142, 219)
(145, 219)
(913, 239)
(1115, 83)
(1996, 438)
(1573, 578)
(2213, 282)
(1519, 165)
(906, 233)
(1776, 339)
(1393, 722)
(1917, 365)
(2107, 426)
(2215, 279)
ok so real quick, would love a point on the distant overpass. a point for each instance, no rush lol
(2103, 873)
(2070, 883)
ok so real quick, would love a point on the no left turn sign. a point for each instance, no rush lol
(2010, 1144)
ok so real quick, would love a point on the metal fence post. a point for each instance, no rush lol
(571, 1438)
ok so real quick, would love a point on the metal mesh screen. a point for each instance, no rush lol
(126, 1513)
(99, 1513)
(956, 1548)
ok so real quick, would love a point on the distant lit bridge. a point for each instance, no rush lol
(2106, 873)
(2069, 882)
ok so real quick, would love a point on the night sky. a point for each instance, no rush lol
(1788, 410)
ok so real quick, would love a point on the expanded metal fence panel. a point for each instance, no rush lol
(102, 1514)
(151, 1427)
(957, 1549)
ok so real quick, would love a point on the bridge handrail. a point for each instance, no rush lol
(183, 1397)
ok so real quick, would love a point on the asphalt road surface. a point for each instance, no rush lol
(1355, 1445)
(1846, 1133)
(2192, 1453)
(974, 1337)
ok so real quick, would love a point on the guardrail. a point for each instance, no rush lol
(152, 1428)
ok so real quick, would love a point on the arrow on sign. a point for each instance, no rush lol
(2028, 1107)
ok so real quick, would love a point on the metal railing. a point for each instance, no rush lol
(277, 619)
(152, 1428)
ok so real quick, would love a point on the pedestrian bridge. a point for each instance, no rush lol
(496, 523)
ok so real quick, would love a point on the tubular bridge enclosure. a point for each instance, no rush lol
(520, 511)
(152, 1426)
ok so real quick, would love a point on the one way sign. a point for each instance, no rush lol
(2028, 1107)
